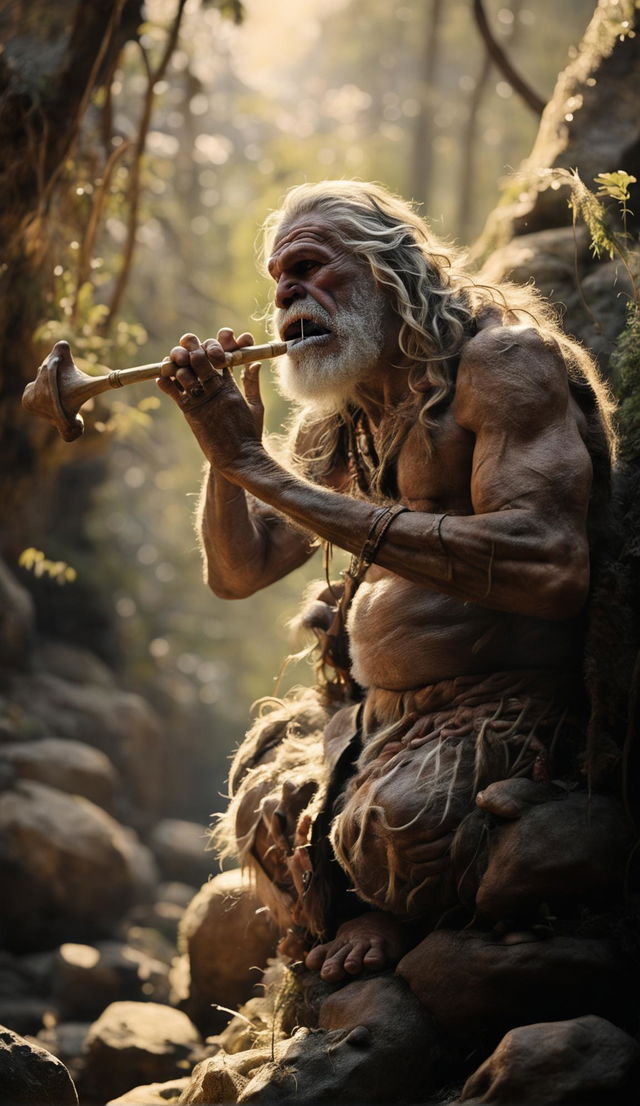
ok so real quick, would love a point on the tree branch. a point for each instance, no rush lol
(502, 63)
(97, 207)
(134, 186)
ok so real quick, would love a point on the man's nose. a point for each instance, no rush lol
(288, 291)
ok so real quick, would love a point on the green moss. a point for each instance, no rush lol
(625, 374)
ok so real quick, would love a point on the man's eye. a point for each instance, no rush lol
(302, 267)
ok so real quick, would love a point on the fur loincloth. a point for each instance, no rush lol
(426, 754)
(296, 768)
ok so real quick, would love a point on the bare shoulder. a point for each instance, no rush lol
(511, 373)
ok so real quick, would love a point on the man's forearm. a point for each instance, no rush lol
(242, 553)
(225, 528)
(503, 560)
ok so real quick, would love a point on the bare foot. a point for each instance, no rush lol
(372, 941)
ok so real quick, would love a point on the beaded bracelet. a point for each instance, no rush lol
(382, 519)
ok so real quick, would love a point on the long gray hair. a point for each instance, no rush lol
(437, 302)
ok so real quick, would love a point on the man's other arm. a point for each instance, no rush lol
(246, 545)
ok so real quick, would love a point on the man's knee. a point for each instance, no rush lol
(394, 844)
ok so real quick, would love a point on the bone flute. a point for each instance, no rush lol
(120, 377)
(60, 387)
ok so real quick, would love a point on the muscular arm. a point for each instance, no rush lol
(246, 546)
(523, 550)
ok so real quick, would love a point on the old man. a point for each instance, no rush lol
(458, 445)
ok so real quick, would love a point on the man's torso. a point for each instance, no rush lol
(404, 635)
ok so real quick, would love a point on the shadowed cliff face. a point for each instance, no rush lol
(590, 124)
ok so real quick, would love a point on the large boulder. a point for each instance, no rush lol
(596, 311)
(228, 939)
(180, 849)
(552, 1063)
(66, 868)
(137, 1042)
(31, 1076)
(477, 985)
(71, 663)
(374, 1044)
(86, 978)
(70, 766)
(119, 723)
(164, 914)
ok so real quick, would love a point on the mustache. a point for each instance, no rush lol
(308, 307)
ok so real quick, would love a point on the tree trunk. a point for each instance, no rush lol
(56, 56)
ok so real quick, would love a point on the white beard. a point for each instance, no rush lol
(322, 379)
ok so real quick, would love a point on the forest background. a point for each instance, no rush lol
(207, 115)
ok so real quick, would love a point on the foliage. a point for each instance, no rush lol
(608, 240)
(75, 316)
(625, 367)
(34, 560)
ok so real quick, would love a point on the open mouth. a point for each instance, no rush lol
(302, 329)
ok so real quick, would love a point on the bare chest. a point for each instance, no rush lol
(437, 477)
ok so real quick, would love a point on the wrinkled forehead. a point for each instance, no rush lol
(305, 230)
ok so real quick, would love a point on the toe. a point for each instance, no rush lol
(333, 967)
(375, 957)
(354, 962)
(316, 958)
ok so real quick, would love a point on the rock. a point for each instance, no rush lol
(548, 1064)
(70, 766)
(66, 1040)
(86, 978)
(119, 723)
(165, 917)
(571, 848)
(37, 967)
(590, 122)
(223, 1078)
(474, 984)
(26, 1013)
(147, 941)
(255, 1019)
(137, 1042)
(165, 913)
(180, 849)
(374, 1044)
(152, 1094)
(16, 724)
(31, 1076)
(228, 939)
(77, 666)
(180, 894)
(65, 868)
(15, 978)
(550, 258)
(144, 869)
(17, 619)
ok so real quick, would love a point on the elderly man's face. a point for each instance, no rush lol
(328, 302)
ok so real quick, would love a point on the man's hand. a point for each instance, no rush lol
(224, 422)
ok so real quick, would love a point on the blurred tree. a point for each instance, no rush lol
(55, 56)
(422, 158)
